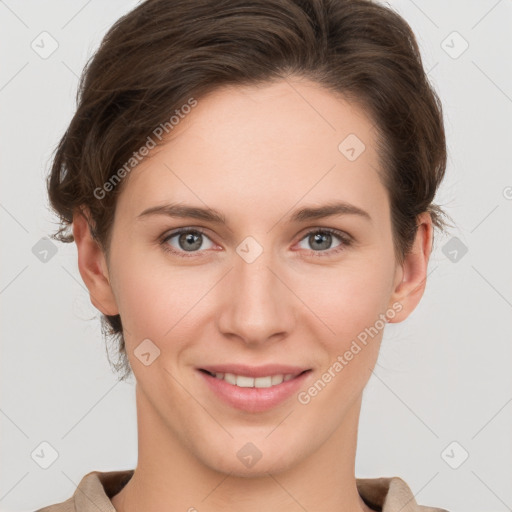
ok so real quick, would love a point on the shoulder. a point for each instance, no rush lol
(400, 495)
(64, 506)
(93, 493)
(391, 494)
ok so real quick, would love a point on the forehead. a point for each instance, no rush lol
(271, 146)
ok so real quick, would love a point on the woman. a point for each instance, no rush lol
(250, 187)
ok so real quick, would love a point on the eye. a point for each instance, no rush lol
(321, 239)
(191, 240)
(187, 240)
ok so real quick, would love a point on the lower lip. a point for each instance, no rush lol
(254, 399)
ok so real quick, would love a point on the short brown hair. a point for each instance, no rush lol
(163, 52)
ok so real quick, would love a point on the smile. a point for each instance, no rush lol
(254, 394)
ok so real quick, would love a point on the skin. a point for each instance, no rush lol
(256, 154)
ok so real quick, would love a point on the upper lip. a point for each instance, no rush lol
(255, 371)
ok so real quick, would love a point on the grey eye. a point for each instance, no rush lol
(189, 240)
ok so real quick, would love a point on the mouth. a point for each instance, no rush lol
(253, 389)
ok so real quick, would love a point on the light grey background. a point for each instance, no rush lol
(443, 375)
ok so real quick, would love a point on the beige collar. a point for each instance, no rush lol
(96, 488)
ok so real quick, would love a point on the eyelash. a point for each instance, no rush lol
(344, 238)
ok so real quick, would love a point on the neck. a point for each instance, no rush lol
(169, 477)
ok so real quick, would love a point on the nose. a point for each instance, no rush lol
(256, 304)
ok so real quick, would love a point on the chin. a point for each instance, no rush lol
(249, 462)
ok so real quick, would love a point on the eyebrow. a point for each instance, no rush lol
(211, 215)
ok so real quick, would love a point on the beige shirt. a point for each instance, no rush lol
(96, 488)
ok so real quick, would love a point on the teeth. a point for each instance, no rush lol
(277, 379)
(244, 382)
(254, 382)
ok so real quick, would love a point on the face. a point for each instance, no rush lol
(268, 285)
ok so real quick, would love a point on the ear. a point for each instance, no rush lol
(411, 276)
(92, 265)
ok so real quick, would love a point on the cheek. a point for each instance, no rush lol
(351, 299)
(158, 301)
(353, 308)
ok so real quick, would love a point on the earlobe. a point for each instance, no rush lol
(92, 266)
(413, 272)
